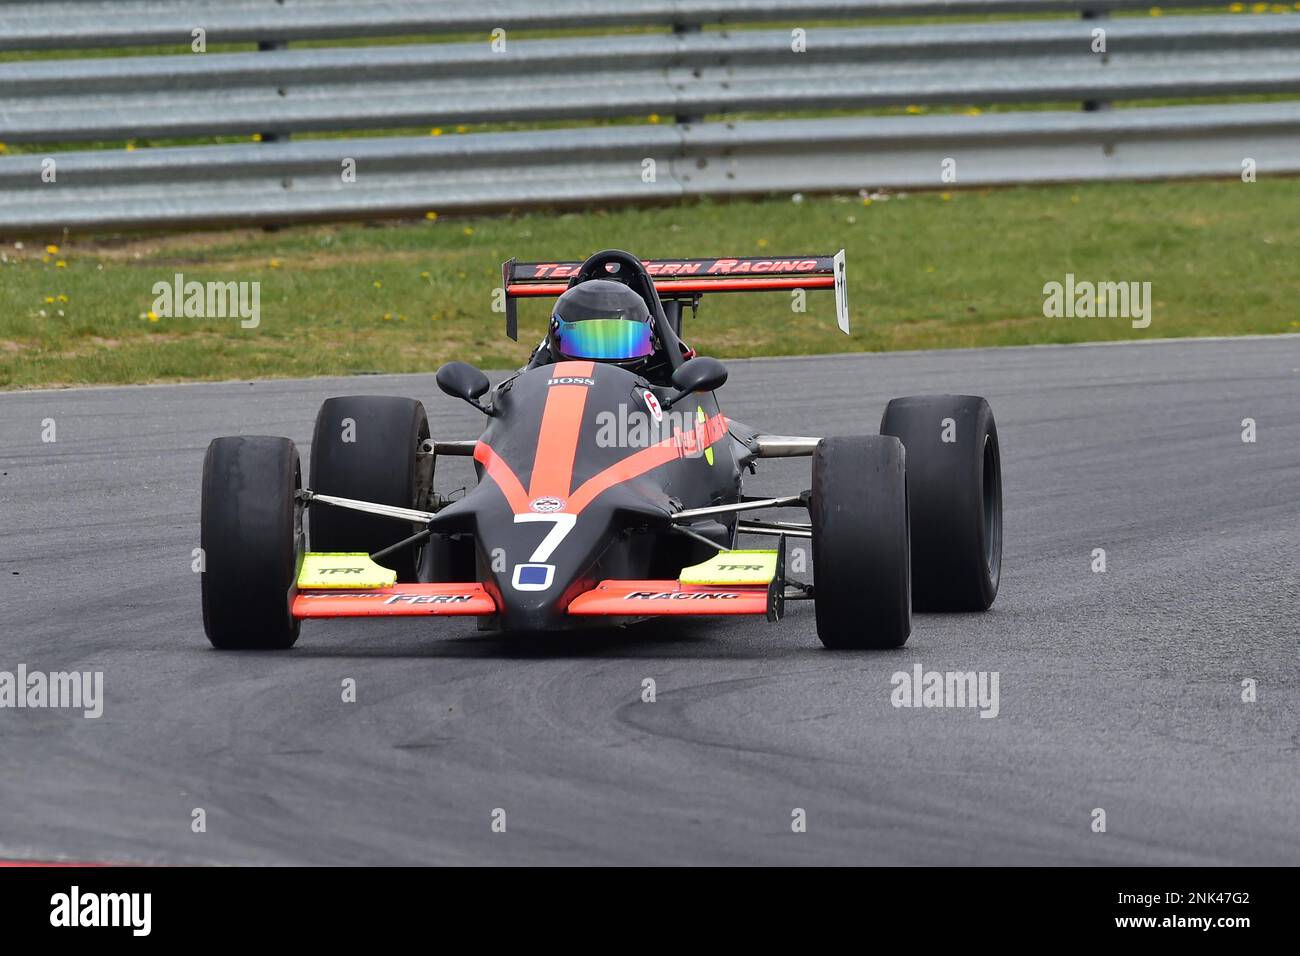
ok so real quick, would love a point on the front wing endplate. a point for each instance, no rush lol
(342, 569)
(733, 568)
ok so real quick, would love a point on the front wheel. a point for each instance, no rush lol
(251, 535)
(860, 543)
(954, 480)
(368, 447)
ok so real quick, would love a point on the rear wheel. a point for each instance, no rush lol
(368, 447)
(954, 481)
(251, 534)
(861, 568)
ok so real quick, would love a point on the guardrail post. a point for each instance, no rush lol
(678, 30)
(1092, 106)
(269, 136)
(263, 46)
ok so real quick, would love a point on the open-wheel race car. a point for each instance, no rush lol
(610, 487)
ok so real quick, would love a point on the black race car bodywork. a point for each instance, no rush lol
(605, 495)
(580, 481)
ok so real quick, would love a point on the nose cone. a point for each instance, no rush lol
(535, 564)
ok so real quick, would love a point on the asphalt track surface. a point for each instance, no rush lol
(1118, 690)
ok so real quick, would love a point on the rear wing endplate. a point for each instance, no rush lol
(687, 279)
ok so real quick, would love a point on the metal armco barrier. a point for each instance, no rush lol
(74, 102)
(63, 24)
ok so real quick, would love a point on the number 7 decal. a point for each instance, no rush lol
(537, 575)
(563, 525)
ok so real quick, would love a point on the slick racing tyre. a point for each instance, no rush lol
(367, 447)
(861, 565)
(954, 481)
(251, 535)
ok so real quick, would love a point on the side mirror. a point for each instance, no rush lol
(464, 381)
(700, 374)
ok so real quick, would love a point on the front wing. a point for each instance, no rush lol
(733, 582)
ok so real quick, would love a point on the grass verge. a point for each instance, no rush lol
(960, 269)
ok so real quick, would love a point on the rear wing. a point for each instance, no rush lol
(687, 279)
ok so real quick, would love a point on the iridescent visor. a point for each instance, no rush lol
(606, 340)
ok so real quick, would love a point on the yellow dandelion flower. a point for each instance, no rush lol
(62, 297)
(52, 249)
(436, 131)
(49, 300)
(377, 284)
(653, 117)
(3, 148)
(462, 129)
(431, 216)
(866, 200)
(130, 148)
(256, 137)
(424, 275)
(1157, 12)
(762, 243)
(151, 315)
(274, 263)
(60, 264)
(945, 196)
(468, 230)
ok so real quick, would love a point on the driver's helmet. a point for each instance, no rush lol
(604, 321)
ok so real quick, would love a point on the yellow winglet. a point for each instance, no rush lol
(340, 569)
(733, 568)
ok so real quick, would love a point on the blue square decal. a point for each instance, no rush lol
(532, 574)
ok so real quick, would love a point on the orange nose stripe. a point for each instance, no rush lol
(505, 479)
(638, 463)
(557, 444)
